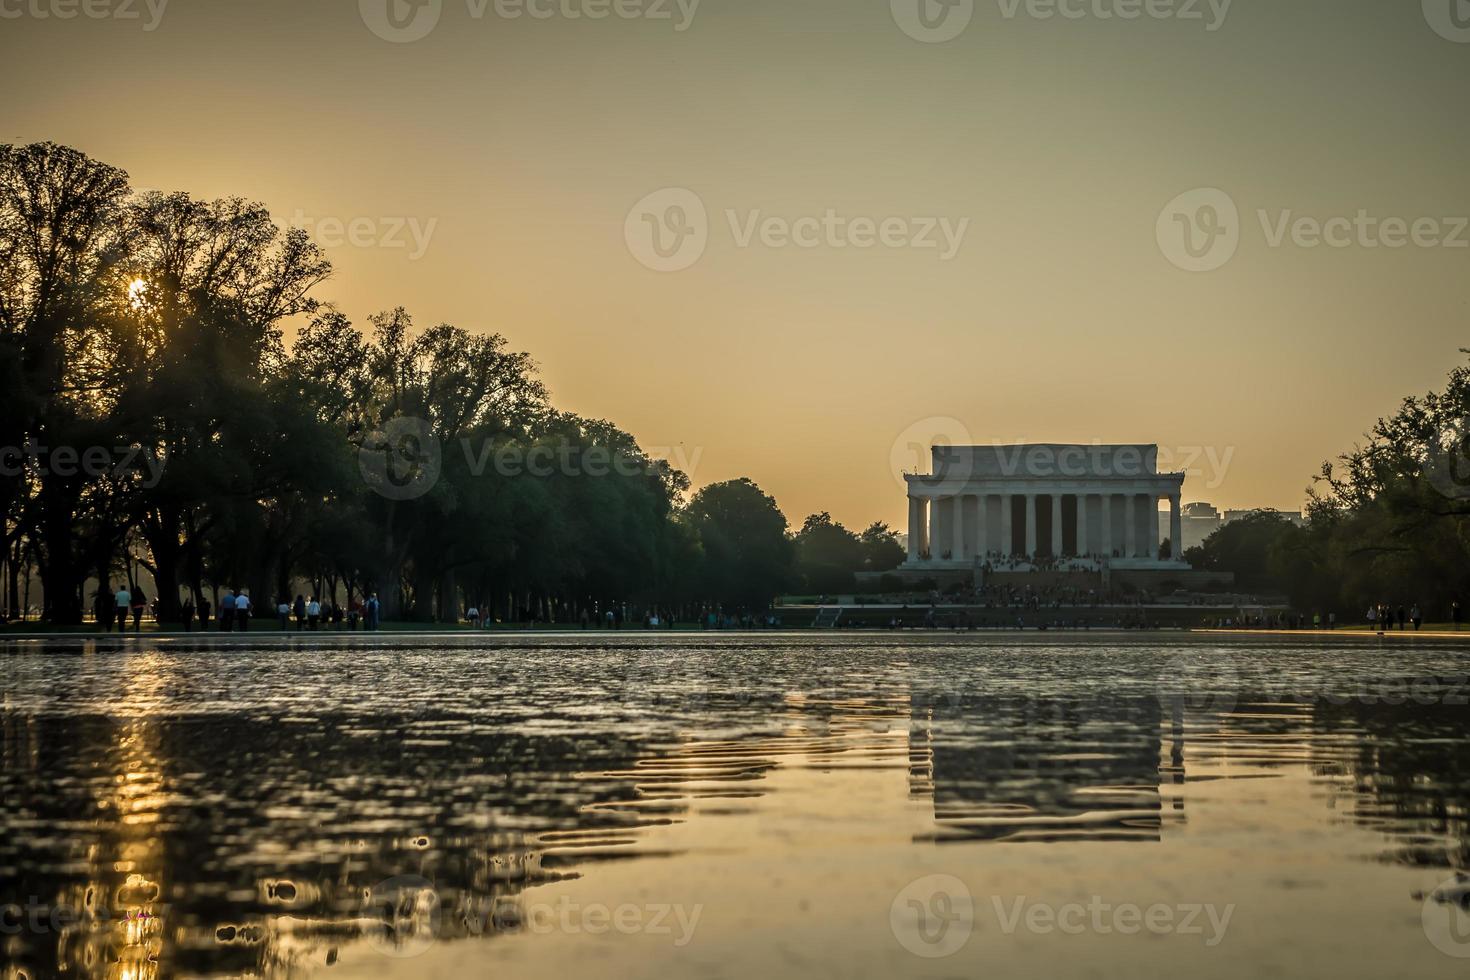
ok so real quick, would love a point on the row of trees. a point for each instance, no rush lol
(176, 399)
(1388, 521)
(154, 416)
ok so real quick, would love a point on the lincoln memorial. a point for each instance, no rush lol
(1033, 506)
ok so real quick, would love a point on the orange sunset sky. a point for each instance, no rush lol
(508, 152)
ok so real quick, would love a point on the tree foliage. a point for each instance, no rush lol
(1388, 521)
(255, 437)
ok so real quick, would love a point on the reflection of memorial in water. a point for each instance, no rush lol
(817, 731)
(1044, 769)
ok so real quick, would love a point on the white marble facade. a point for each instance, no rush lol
(1038, 504)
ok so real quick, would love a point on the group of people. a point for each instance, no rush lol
(934, 619)
(117, 608)
(996, 561)
(129, 603)
(1382, 616)
(1284, 619)
(313, 614)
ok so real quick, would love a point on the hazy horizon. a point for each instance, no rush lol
(498, 171)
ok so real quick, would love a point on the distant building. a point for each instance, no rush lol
(1197, 521)
(1200, 520)
(1024, 505)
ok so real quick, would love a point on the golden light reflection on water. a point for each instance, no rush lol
(276, 843)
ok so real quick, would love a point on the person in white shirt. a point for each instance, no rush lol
(124, 600)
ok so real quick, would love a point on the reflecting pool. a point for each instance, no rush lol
(772, 805)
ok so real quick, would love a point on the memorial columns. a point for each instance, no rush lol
(1030, 525)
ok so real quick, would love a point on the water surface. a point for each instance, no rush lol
(735, 805)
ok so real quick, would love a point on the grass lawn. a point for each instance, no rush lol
(269, 627)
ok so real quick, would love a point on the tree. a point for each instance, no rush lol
(1246, 546)
(62, 235)
(881, 550)
(747, 553)
(360, 458)
(827, 555)
(1390, 520)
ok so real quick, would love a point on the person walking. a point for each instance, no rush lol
(1416, 617)
(298, 609)
(186, 614)
(283, 614)
(242, 611)
(227, 611)
(371, 611)
(140, 602)
(122, 602)
(1403, 617)
(313, 613)
(1372, 617)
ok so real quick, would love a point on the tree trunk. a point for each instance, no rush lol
(61, 574)
(166, 554)
(448, 598)
(423, 596)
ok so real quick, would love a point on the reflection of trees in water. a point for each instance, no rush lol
(1409, 768)
(1039, 769)
(230, 844)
